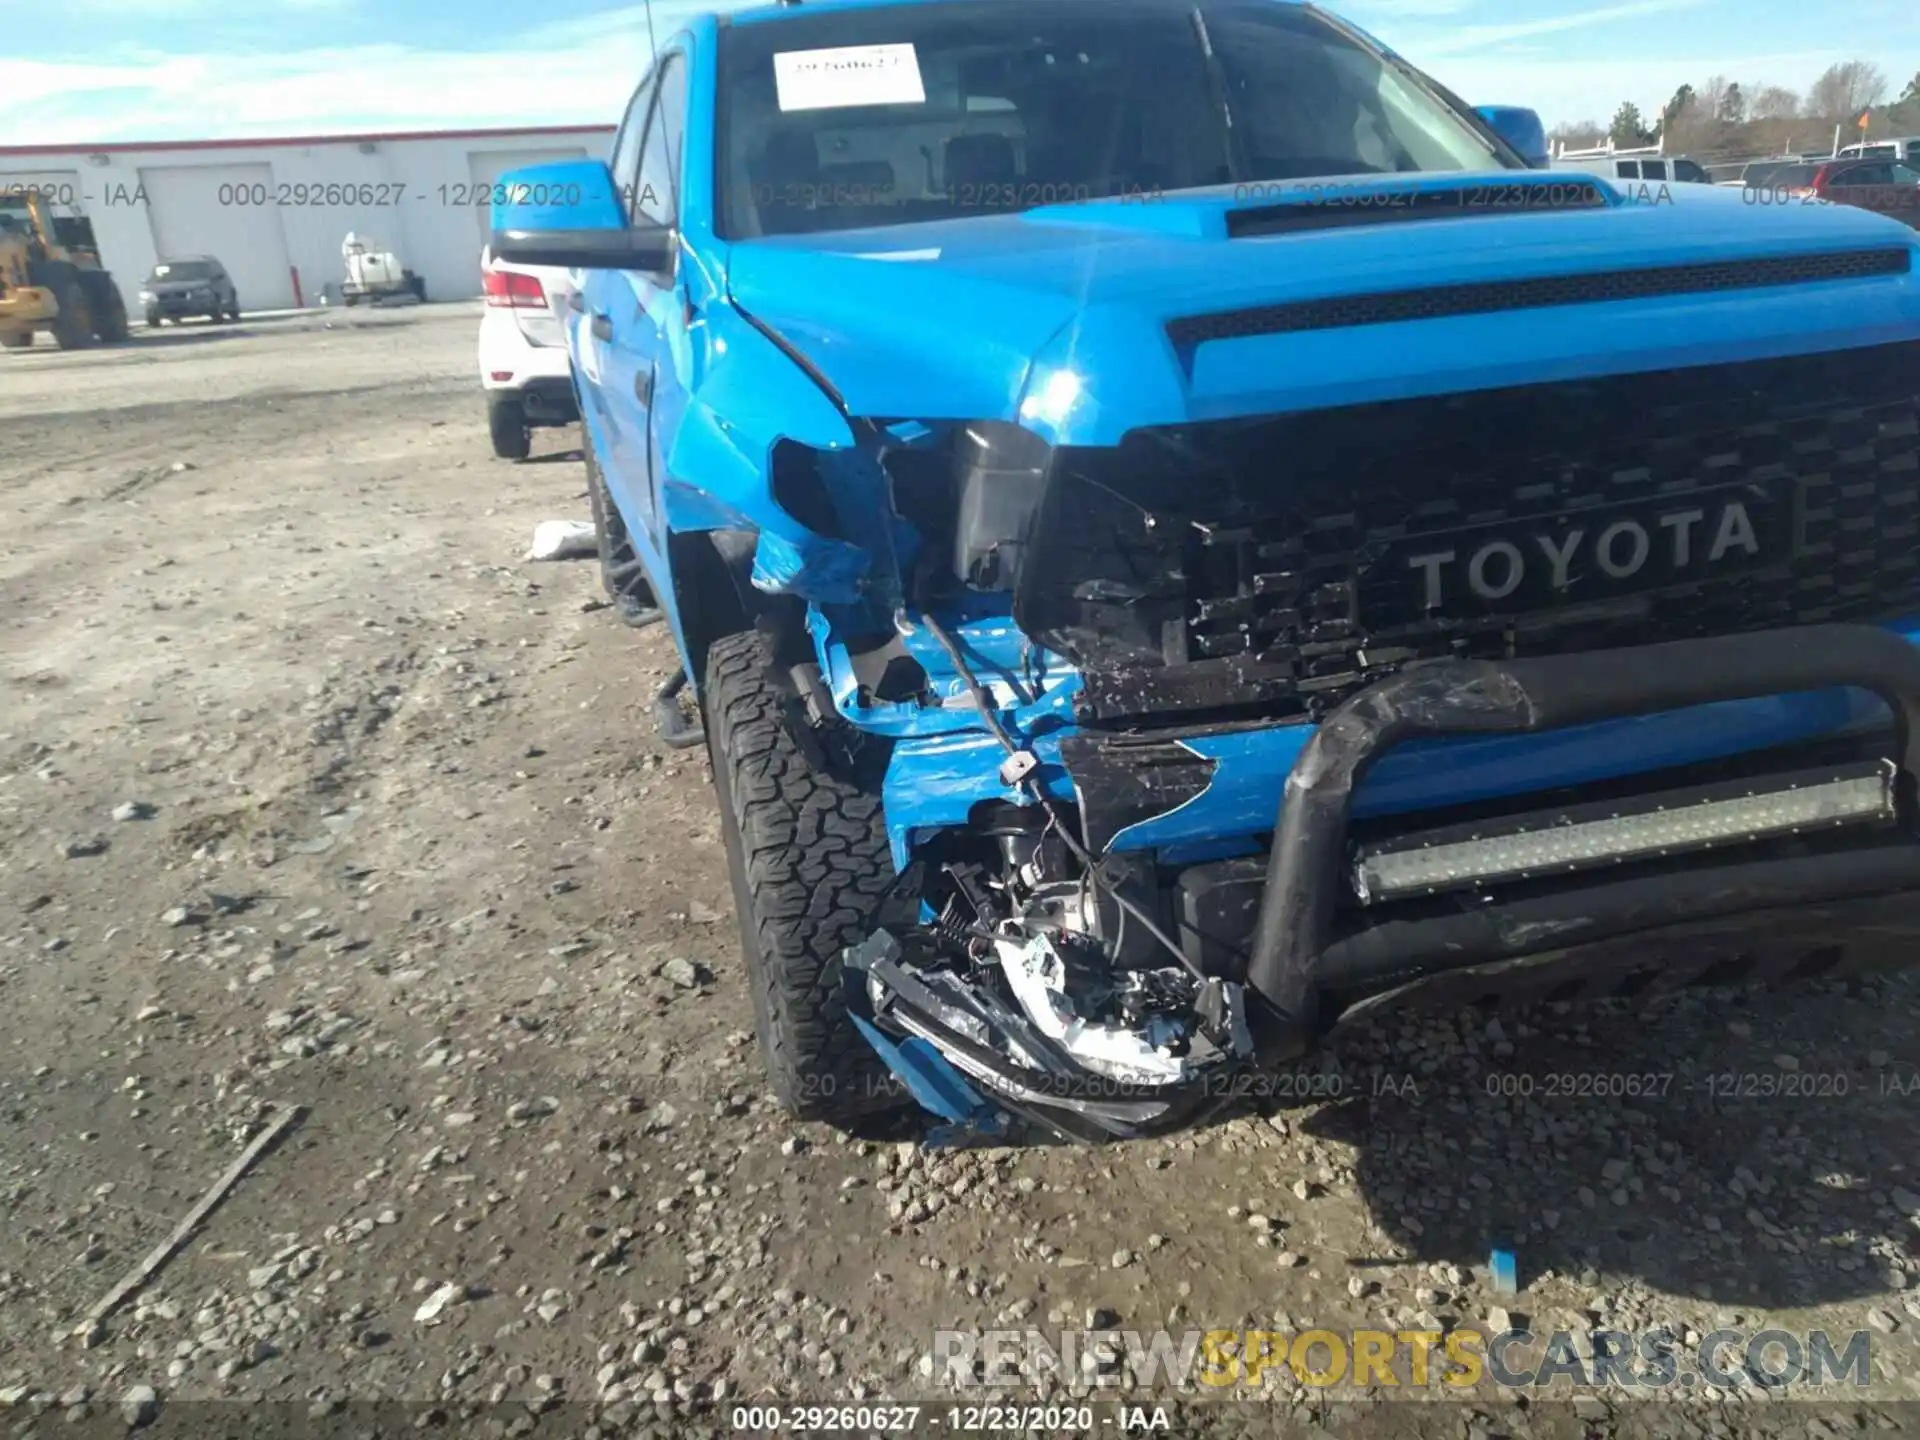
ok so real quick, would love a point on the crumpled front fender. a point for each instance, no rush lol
(749, 397)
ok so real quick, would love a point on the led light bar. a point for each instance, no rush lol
(1646, 828)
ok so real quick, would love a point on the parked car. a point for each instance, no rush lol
(1133, 638)
(1888, 186)
(524, 366)
(1757, 173)
(1884, 185)
(189, 285)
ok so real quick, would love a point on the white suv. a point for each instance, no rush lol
(523, 352)
(1900, 147)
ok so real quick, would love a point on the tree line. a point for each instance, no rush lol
(1725, 118)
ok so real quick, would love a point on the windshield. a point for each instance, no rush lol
(1762, 171)
(1788, 177)
(183, 270)
(865, 117)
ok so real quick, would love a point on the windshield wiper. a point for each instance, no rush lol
(1217, 83)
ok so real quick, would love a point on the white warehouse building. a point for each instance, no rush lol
(274, 212)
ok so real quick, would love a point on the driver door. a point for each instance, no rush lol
(637, 325)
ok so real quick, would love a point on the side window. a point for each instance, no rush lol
(1905, 175)
(673, 122)
(1653, 169)
(625, 161)
(656, 195)
(1627, 169)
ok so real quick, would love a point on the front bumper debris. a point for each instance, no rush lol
(1319, 952)
(969, 1029)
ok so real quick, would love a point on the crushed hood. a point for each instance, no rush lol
(969, 317)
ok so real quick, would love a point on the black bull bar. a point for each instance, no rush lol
(1295, 956)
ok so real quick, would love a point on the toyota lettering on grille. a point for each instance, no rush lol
(1584, 556)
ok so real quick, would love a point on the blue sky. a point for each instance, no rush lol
(103, 70)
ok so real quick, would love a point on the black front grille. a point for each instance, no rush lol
(1282, 563)
(1438, 302)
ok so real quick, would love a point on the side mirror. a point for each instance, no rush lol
(1520, 128)
(569, 215)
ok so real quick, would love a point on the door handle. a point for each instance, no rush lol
(602, 328)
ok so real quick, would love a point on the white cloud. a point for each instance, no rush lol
(180, 9)
(578, 71)
(1373, 11)
(1468, 38)
(628, 20)
(375, 87)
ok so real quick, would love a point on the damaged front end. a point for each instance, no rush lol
(1156, 717)
(1031, 966)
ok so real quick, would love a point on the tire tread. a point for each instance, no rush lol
(811, 866)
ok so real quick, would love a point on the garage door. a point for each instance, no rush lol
(215, 210)
(486, 166)
(63, 186)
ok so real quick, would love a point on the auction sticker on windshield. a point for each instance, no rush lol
(848, 75)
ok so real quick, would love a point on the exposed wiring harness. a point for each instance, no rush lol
(1021, 773)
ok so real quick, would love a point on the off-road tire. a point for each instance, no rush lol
(507, 424)
(109, 315)
(233, 312)
(20, 341)
(807, 851)
(153, 319)
(73, 326)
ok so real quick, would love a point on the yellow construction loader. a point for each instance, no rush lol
(51, 278)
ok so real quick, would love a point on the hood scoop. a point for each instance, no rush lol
(1331, 207)
(1437, 302)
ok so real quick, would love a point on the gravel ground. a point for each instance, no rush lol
(312, 792)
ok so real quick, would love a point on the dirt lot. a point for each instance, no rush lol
(313, 792)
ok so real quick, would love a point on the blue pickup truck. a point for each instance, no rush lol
(1181, 532)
